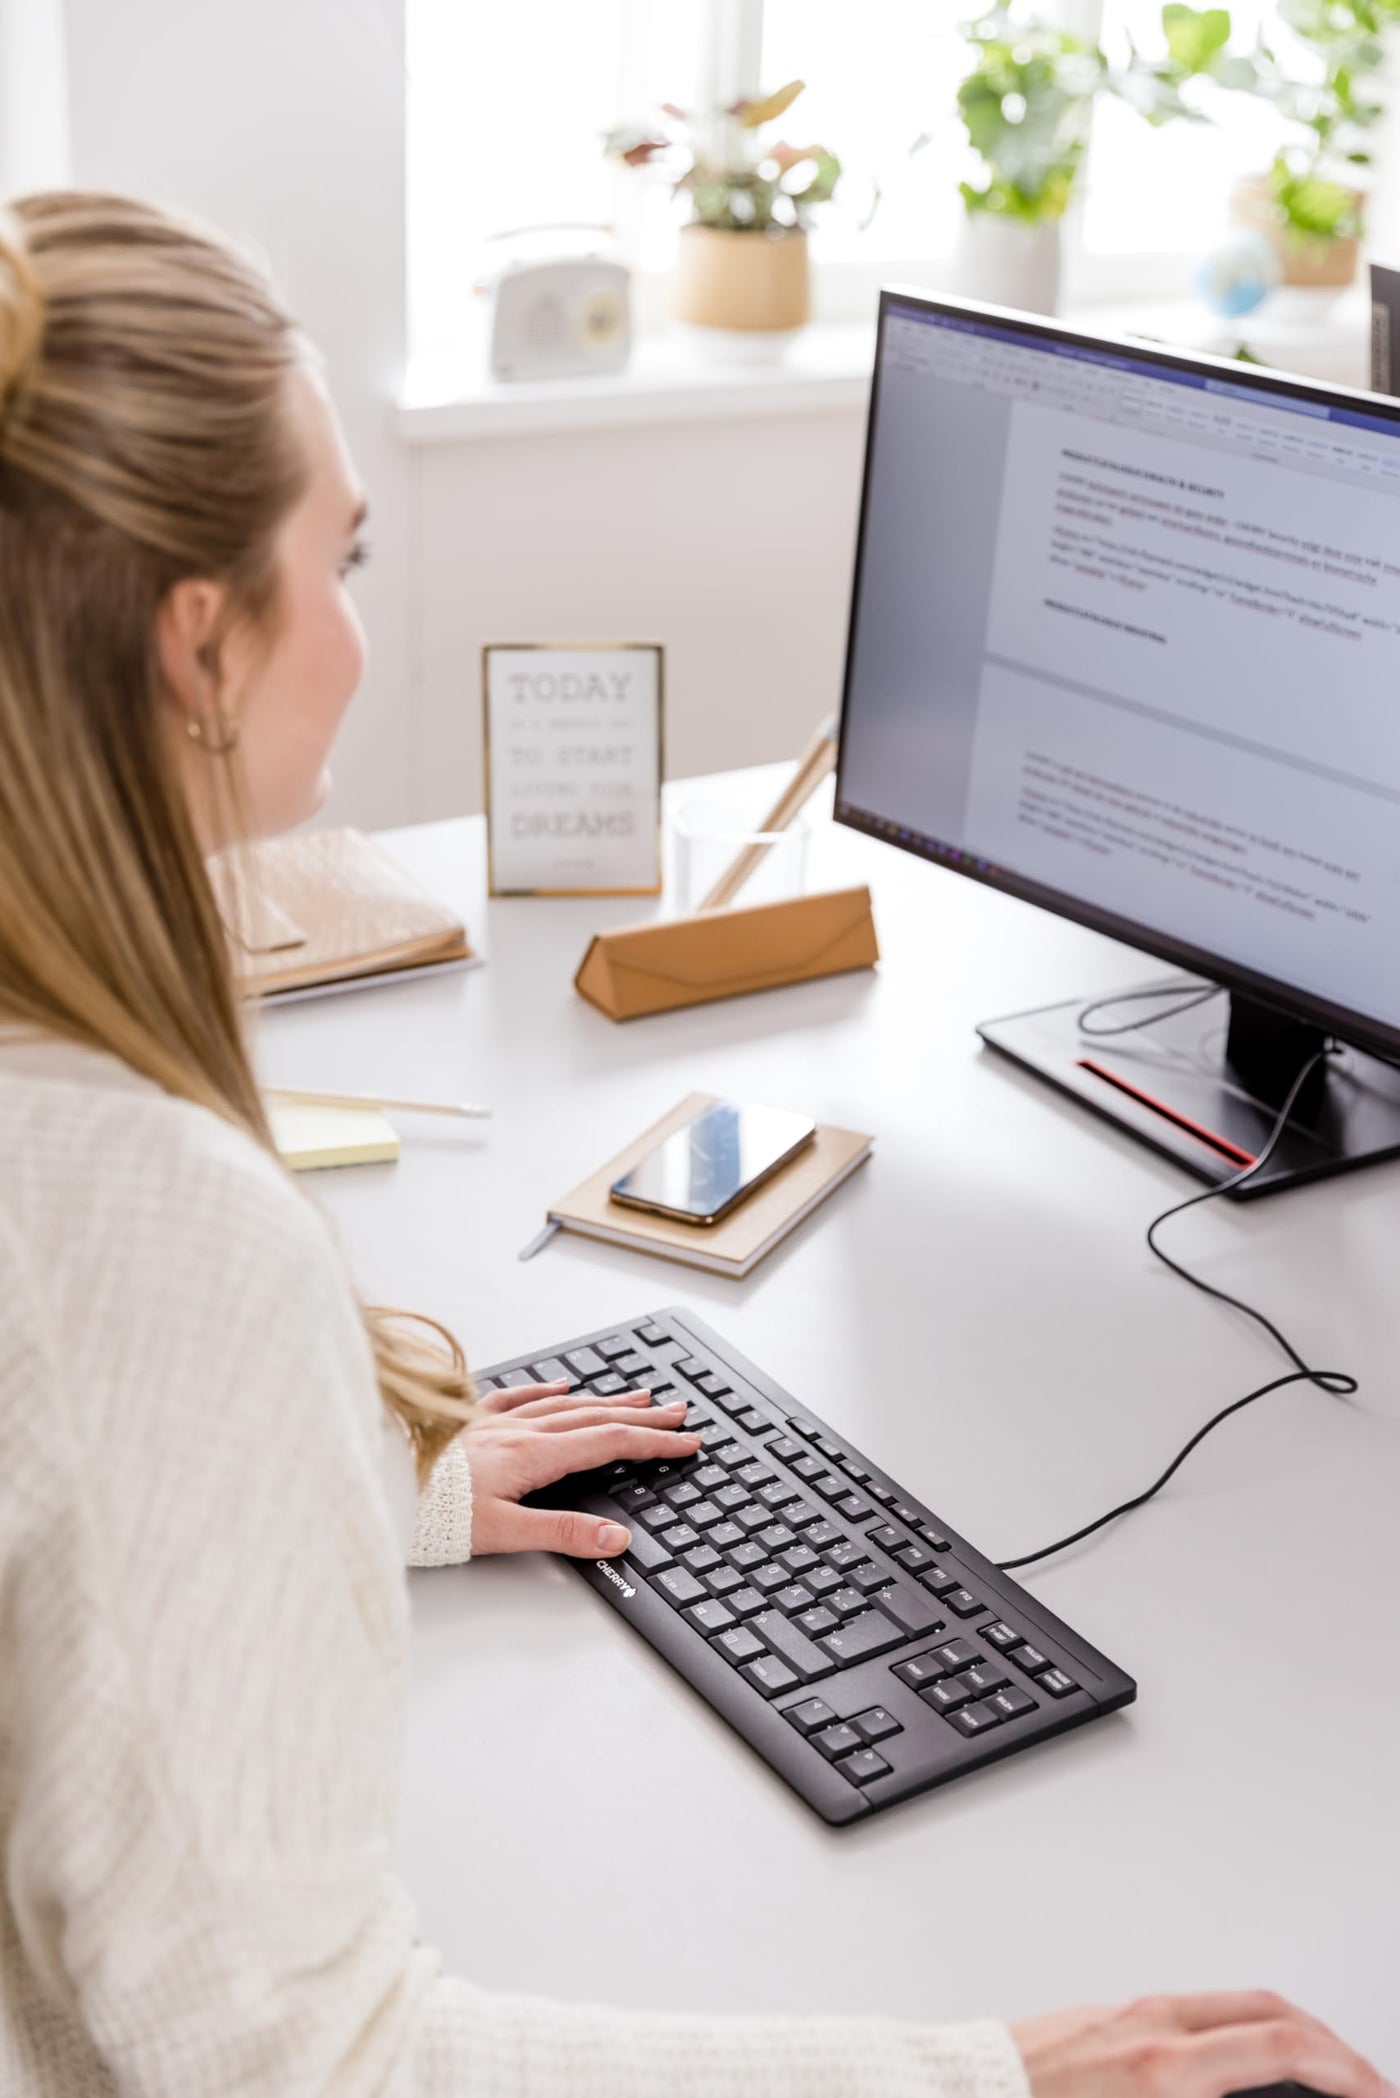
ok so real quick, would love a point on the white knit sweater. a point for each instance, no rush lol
(202, 1668)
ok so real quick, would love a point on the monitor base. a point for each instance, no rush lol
(1204, 1087)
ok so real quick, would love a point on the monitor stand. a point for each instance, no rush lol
(1204, 1087)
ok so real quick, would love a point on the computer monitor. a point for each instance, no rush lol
(1125, 642)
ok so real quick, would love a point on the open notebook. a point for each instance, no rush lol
(328, 909)
(735, 1246)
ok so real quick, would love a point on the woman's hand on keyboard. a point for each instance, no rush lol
(1190, 2047)
(537, 1433)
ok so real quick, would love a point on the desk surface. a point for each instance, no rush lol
(977, 1309)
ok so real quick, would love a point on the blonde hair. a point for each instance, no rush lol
(145, 436)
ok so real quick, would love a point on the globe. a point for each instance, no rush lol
(1239, 275)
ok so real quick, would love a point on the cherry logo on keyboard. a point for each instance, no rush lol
(615, 1577)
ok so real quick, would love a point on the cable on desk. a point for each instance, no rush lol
(1336, 1383)
(1201, 996)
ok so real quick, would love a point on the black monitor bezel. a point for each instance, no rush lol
(1363, 1029)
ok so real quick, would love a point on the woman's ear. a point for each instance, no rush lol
(187, 621)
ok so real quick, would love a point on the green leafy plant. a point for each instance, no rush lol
(733, 181)
(1315, 178)
(1028, 99)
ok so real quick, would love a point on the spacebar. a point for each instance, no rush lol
(794, 1646)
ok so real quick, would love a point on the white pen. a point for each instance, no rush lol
(313, 1097)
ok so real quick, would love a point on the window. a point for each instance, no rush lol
(508, 107)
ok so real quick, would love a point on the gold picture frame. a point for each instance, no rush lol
(587, 649)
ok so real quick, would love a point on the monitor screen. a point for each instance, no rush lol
(1125, 640)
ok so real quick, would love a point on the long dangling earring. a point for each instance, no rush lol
(218, 745)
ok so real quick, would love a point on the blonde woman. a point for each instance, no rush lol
(210, 1455)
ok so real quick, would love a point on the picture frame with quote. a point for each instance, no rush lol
(573, 735)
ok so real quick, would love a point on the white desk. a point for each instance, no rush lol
(977, 1310)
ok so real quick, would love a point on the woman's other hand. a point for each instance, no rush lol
(534, 1434)
(1190, 2047)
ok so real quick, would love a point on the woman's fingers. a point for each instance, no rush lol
(604, 1411)
(584, 1449)
(1291, 2049)
(561, 1530)
(518, 1395)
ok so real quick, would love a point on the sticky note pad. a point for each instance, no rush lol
(309, 1136)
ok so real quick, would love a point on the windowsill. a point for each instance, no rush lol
(827, 367)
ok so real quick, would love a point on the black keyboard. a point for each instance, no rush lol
(858, 1643)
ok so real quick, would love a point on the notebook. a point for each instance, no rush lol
(310, 1135)
(328, 909)
(735, 1246)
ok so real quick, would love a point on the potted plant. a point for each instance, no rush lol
(1026, 107)
(742, 271)
(1311, 203)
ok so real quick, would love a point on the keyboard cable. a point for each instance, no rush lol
(1336, 1383)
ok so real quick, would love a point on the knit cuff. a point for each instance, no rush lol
(443, 1534)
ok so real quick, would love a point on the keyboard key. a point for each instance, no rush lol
(723, 1581)
(810, 1716)
(886, 1537)
(647, 1551)
(749, 1417)
(829, 1448)
(686, 1364)
(819, 1621)
(777, 1537)
(822, 1535)
(739, 1645)
(1000, 1635)
(807, 1467)
(682, 1495)
(704, 1559)
(553, 1370)
(902, 1512)
(859, 1637)
(682, 1538)
(769, 1577)
(867, 1578)
(704, 1516)
(821, 1580)
(961, 1602)
(747, 1556)
(934, 1538)
(729, 1497)
(650, 1333)
(746, 1602)
(608, 1387)
(713, 1383)
(711, 1477)
(948, 1695)
(828, 1484)
(751, 1518)
(848, 1602)
(710, 1616)
(725, 1536)
(731, 1455)
(919, 1673)
(793, 1599)
(770, 1675)
(910, 1608)
(754, 1475)
(875, 1724)
(975, 1719)
(914, 1558)
(659, 1516)
(846, 1555)
(612, 1346)
(851, 1506)
(632, 1495)
(855, 1471)
(679, 1587)
(789, 1641)
(1030, 1658)
(986, 1677)
(1057, 1682)
(883, 1494)
(864, 1767)
(1012, 1702)
(589, 1363)
(941, 1579)
(958, 1654)
(774, 1496)
(799, 1515)
(799, 1558)
(785, 1449)
(837, 1741)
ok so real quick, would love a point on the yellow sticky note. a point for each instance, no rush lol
(309, 1135)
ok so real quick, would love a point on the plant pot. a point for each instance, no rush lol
(1315, 265)
(1008, 263)
(750, 288)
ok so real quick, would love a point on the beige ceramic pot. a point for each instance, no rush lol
(742, 282)
(1316, 265)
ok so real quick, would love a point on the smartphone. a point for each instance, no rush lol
(703, 1171)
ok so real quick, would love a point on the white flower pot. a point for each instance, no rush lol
(1007, 263)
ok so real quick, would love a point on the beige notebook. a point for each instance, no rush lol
(735, 1246)
(310, 1136)
(328, 907)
